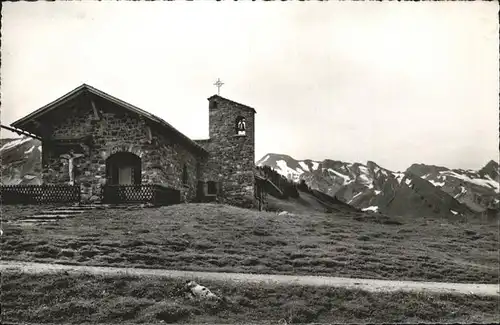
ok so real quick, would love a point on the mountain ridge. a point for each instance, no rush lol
(372, 187)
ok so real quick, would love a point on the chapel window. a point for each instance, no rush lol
(212, 188)
(241, 126)
(184, 175)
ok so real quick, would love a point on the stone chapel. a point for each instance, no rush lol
(92, 139)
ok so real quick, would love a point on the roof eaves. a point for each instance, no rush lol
(46, 108)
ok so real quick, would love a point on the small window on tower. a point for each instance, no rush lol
(241, 126)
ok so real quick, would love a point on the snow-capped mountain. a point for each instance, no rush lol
(479, 190)
(374, 188)
(287, 166)
(20, 161)
(332, 177)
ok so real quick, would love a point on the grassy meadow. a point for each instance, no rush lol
(210, 237)
(63, 298)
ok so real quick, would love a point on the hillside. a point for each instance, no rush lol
(285, 194)
(416, 191)
(221, 238)
(310, 202)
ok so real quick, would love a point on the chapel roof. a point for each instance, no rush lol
(87, 88)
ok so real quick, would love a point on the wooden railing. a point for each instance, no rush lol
(150, 193)
(287, 187)
(39, 194)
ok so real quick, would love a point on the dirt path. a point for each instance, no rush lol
(353, 283)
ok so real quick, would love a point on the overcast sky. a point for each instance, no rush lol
(395, 83)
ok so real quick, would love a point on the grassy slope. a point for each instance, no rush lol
(209, 237)
(60, 298)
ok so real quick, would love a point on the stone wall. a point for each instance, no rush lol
(232, 157)
(172, 158)
(116, 130)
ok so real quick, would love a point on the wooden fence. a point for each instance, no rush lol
(39, 194)
(151, 193)
(287, 187)
(113, 194)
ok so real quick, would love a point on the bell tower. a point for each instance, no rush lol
(232, 149)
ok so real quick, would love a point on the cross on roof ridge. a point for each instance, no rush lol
(218, 84)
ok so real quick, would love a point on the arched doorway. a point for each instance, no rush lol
(123, 168)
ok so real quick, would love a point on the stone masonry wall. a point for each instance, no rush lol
(172, 157)
(232, 157)
(161, 156)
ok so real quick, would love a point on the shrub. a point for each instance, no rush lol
(299, 312)
(170, 312)
(123, 308)
(303, 187)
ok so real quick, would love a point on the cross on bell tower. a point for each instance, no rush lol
(218, 84)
